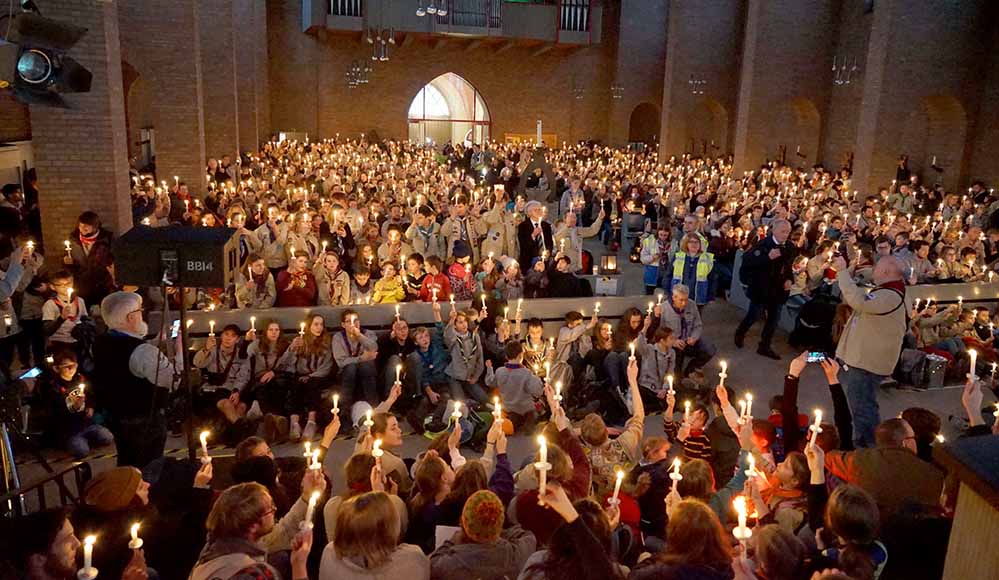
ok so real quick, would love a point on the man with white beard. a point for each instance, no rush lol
(132, 379)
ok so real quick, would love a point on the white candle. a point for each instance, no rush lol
(596, 308)
(452, 301)
(336, 403)
(617, 487)
(308, 450)
(686, 412)
(520, 302)
(742, 411)
(723, 374)
(398, 373)
(669, 381)
(376, 449)
(434, 294)
(974, 361)
(456, 414)
(315, 460)
(751, 471)
(659, 298)
(368, 422)
(816, 429)
(497, 412)
(211, 328)
(397, 312)
(558, 391)
(69, 248)
(136, 542)
(632, 349)
(650, 308)
(749, 406)
(307, 522)
(69, 295)
(542, 465)
(88, 555)
(741, 532)
(204, 446)
(483, 300)
(253, 323)
(675, 475)
(301, 329)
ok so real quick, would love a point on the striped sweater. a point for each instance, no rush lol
(695, 446)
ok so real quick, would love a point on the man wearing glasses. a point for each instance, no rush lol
(132, 380)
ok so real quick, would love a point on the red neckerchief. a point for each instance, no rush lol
(87, 241)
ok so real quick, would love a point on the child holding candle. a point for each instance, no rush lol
(518, 387)
(355, 351)
(511, 284)
(571, 346)
(296, 286)
(62, 312)
(467, 362)
(424, 234)
(435, 280)
(652, 482)
(413, 277)
(389, 288)
(460, 275)
(333, 281)
(62, 403)
(696, 444)
(361, 288)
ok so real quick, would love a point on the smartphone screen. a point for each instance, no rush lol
(31, 373)
(815, 356)
(176, 329)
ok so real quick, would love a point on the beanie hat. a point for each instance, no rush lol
(482, 517)
(461, 249)
(113, 490)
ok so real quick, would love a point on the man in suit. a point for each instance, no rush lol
(535, 235)
(766, 273)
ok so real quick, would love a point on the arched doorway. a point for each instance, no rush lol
(449, 108)
(707, 129)
(643, 127)
(798, 130)
(936, 130)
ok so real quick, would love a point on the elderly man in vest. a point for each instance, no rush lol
(871, 341)
(693, 351)
(132, 379)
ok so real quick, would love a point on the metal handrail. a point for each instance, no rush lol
(12, 503)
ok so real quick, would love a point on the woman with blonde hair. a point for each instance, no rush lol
(692, 267)
(365, 543)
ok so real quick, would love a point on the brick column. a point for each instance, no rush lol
(244, 46)
(218, 70)
(81, 153)
(162, 40)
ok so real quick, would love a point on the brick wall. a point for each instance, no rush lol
(15, 123)
(218, 73)
(80, 153)
(641, 56)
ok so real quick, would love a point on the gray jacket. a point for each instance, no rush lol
(686, 324)
(466, 355)
(503, 558)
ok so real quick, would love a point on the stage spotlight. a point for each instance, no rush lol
(33, 63)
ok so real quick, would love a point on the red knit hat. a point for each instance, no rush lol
(482, 518)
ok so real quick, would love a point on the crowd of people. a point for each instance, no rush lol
(352, 223)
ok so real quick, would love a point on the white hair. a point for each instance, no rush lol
(116, 307)
(681, 289)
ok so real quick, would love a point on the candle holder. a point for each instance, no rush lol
(134, 544)
(613, 501)
(742, 533)
(87, 573)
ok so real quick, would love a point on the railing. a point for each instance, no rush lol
(574, 15)
(14, 502)
(347, 8)
(473, 13)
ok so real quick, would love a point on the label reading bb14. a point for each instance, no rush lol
(200, 266)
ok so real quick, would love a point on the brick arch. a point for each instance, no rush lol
(936, 127)
(643, 125)
(707, 128)
(469, 113)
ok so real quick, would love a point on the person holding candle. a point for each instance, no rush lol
(571, 347)
(435, 280)
(394, 249)
(427, 365)
(394, 349)
(881, 315)
(242, 530)
(226, 374)
(63, 312)
(90, 257)
(424, 234)
(467, 362)
(581, 547)
(534, 234)
(255, 287)
(651, 481)
(273, 236)
(461, 278)
(501, 223)
(306, 367)
(355, 351)
(518, 387)
(413, 277)
(361, 287)
(616, 362)
(362, 475)
(432, 481)
(302, 237)
(389, 289)
(683, 317)
(62, 405)
(691, 435)
(296, 286)
(573, 236)
(698, 547)
(333, 282)
(386, 427)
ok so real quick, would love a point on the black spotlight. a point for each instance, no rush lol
(33, 63)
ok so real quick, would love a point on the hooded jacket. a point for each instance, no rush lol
(497, 560)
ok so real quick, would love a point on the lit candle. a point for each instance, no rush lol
(301, 329)
(136, 542)
(308, 449)
(542, 466)
(741, 532)
(974, 361)
(376, 449)
(669, 381)
(69, 295)
(307, 522)
(596, 308)
(558, 391)
(336, 403)
(960, 301)
(69, 248)
(368, 421)
(398, 373)
(816, 429)
(456, 414)
(520, 302)
(253, 323)
(749, 406)
(723, 374)
(88, 554)
(497, 411)
(617, 488)
(675, 474)
(397, 312)
(650, 308)
(211, 328)
(751, 471)
(483, 300)
(632, 345)
(204, 447)
(433, 292)
(686, 412)
(315, 460)
(452, 301)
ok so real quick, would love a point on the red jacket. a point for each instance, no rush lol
(303, 293)
(441, 282)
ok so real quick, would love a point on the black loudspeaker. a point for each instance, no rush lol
(184, 256)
